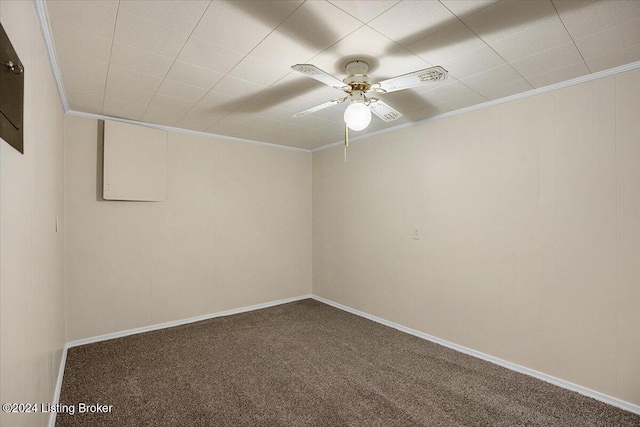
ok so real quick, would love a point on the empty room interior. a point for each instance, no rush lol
(319, 213)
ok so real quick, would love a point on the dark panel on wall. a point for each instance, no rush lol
(11, 93)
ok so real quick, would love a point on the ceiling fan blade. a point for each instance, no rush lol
(410, 80)
(320, 107)
(319, 75)
(384, 111)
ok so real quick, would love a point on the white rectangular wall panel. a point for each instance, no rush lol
(235, 231)
(135, 163)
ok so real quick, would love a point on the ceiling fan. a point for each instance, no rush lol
(358, 86)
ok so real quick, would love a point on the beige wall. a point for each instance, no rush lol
(32, 331)
(235, 231)
(529, 215)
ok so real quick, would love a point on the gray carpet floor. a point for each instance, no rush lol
(308, 364)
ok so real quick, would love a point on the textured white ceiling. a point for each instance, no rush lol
(223, 66)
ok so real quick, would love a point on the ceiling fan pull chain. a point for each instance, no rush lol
(346, 141)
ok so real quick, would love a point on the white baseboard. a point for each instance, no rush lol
(183, 321)
(512, 366)
(63, 361)
(56, 393)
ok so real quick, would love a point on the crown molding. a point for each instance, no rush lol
(41, 12)
(527, 94)
(187, 131)
(43, 19)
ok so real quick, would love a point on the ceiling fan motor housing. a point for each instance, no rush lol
(357, 77)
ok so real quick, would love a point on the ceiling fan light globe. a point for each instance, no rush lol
(357, 116)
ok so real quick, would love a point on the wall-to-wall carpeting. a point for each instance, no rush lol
(307, 363)
(528, 222)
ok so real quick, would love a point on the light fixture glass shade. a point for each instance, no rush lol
(357, 116)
